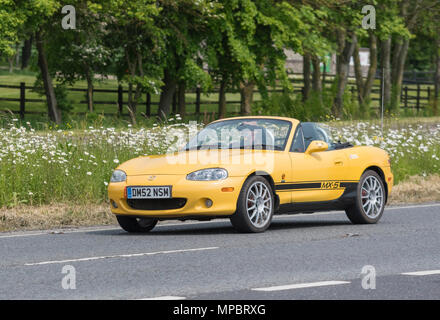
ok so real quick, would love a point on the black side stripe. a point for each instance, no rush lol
(308, 186)
(293, 186)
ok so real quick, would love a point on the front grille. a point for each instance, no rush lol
(156, 204)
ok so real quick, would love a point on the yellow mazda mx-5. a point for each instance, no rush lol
(248, 169)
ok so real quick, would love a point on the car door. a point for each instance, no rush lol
(318, 176)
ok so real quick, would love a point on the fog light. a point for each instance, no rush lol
(208, 203)
(114, 204)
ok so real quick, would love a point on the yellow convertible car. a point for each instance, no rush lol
(248, 169)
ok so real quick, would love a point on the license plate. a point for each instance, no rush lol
(145, 192)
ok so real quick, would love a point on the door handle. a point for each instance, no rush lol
(339, 162)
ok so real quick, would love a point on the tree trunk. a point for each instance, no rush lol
(134, 63)
(359, 78)
(401, 51)
(397, 81)
(133, 98)
(166, 95)
(222, 99)
(316, 78)
(53, 111)
(11, 64)
(364, 88)
(17, 55)
(181, 100)
(306, 76)
(397, 48)
(130, 97)
(342, 68)
(386, 65)
(89, 92)
(26, 53)
(372, 69)
(247, 97)
(399, 43)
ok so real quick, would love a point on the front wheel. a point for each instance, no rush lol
(136, 225)
(255, 206)
(370, 201)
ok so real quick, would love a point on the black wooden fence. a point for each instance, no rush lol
(117, 102)
(413, 96)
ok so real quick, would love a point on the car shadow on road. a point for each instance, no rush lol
(278, 225)
(224, 227)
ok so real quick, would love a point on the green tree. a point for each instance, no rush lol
(134, 42)
(39, 17)
(344, 20)
(79, 54)
(11, 20)
(410, 11)
(184, 26)
(427, 34)
(388, 23)
(247, 42)
(228, 54)
(315, 42)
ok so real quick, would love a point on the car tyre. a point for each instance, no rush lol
(370, 200)
(136, 225)
(255, 206)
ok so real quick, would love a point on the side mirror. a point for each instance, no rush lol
(316, 146)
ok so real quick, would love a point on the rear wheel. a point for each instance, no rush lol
(136, 225)
(370, 200)
(255, 206)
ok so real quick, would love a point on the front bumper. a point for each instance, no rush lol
(195, 192)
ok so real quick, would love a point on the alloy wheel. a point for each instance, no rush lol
(372, 196)
(259, 204)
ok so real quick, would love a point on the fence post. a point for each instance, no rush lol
(148, 105)
(198, 101)
(418, 98)
(120, 100)
(22, 99)
(406, 97)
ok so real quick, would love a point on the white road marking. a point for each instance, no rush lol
(164, 298)
(59, 232)
(422, 273)
(414, 206)
(84, 230)
(23, 235)
(119, 256)
(301, 285)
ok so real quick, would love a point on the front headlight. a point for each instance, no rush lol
(118, 176)
(208, 175)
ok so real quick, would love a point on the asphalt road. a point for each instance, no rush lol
(319, 256)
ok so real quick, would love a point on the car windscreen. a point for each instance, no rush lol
(266, 134)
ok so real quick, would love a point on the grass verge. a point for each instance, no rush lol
(25, 217)
(416, 189)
